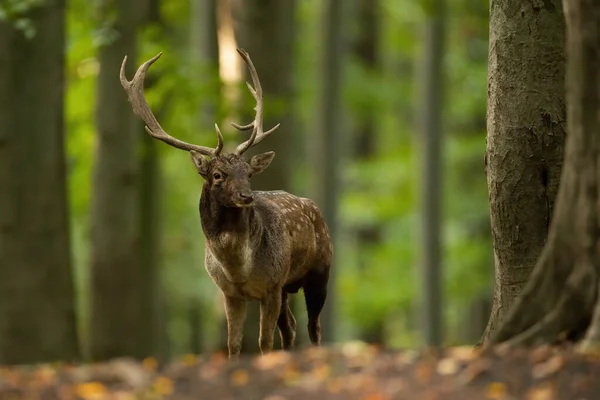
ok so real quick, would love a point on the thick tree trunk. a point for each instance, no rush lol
(272, 22)
(559, 299)
(526, 131)
(37, 306)
(117, 277)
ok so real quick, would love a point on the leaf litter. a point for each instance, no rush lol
(346, 372)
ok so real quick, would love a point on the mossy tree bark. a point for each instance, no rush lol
(561, 295)
(37, 305)
(525, 138)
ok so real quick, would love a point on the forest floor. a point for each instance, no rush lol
(348, 371)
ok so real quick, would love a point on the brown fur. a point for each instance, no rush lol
(262, 251)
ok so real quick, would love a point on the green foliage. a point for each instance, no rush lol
(17, 13)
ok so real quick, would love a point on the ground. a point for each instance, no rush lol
(349, 371)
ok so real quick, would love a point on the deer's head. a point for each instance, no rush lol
(227, 175)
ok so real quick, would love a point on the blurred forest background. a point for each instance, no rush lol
(346, 80)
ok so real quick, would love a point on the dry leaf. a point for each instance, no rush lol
(163, 385)
(240, 377)
(91, 390)
(496, 390)
(545, 392)
(448, 366)
(463, 353)
(274, 359)
(423, 372)
(549, 367)
(321, 372)
(190, 359)
(150, 364)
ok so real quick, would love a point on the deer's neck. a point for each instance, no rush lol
(228, 227)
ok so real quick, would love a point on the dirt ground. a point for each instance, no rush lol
(349, 371)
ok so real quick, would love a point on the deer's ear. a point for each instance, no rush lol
(260, 162)
(200, 163)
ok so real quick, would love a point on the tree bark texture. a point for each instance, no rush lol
(37, 305)
(560, 296)
(525, 138)
(272, 22)
(117, 274)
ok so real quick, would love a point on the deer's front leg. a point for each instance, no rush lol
(270, 306)
(235, 311)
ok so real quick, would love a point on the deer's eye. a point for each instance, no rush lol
(217, 176)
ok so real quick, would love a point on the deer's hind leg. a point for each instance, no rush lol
(286, 323)
(315, 293)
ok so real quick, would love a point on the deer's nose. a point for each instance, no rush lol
(246, 196)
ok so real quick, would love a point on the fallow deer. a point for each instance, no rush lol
(260, 245)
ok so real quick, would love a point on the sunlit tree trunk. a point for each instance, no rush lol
(525, 138)
(272, 22)
(37, 305)
(117, 274)
(560, 296)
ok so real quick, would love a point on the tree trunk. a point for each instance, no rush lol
(325, 150)
(117, 277)
(559, 298)
(526, 131)
(37, 304)
(204, 49)
(431, 146)
(366, 49)
(272, 22)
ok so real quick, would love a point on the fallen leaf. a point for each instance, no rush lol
(448, 366)
(91, 390)
(496, 390)
(274, 359)
(150, 364)
(463, 353)
(423, 372)
(544, 392)
(163, 385)
(321, 372)
(335, 385)
(550, 367)
(240, 377)
(190, 359)
(375, 396)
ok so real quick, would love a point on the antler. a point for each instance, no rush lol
(257, 135)
(135, 93)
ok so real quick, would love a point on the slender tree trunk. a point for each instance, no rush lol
(204, 51)
(117, 275)
(326, 145)
(559, 298)
(37, 305)
(366, 49)
(526, 131)
(431, 194)
(272, 22)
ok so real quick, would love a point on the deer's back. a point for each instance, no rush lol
(303, 224)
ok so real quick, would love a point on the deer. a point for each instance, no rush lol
(260, 245)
